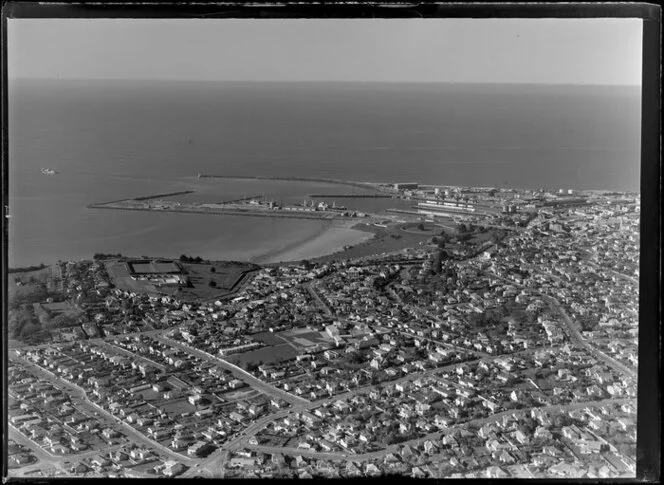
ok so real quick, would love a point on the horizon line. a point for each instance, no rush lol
(316, 81)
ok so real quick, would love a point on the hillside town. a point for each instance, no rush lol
(477, 353)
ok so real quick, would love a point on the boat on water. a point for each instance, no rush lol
(48, 171)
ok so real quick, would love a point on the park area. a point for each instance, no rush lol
(281, 346)
(385, 240)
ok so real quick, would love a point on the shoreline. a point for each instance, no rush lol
(331, 238)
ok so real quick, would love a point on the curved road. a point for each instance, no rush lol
(437, 435)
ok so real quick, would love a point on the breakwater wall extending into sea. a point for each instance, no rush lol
(159, 196)
(364, 185)
(144, 197)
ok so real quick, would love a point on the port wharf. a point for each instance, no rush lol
(352, 196)
(314, 215)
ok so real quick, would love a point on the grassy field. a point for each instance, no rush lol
(268, 338)
(175, 407)
(385, 240)
(29, 281)
(428, 229)
(303, 339)
(207, 280)
(265, 355)
(119, 273)
(224, 274)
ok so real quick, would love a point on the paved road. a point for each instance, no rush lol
(128, 430)
(314, 293)
(578, 338)
(255, 428)
(615, 273)
(133, 356)
(451, 346)
(43, 455)
(345, 456)
(268, 389)
(99, 340)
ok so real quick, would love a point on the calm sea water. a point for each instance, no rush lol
(116, 140)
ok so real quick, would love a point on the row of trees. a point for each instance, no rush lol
(26, 269)
(99, 256)
(190, 259)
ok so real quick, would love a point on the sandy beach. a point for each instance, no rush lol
(331, 238)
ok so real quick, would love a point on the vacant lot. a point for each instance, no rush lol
(175, 407)
(29, 281)
(303, 338)
(385, 240)
(268, 338)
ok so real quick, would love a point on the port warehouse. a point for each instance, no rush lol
(441, 208)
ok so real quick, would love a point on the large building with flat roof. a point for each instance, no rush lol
(154, 267)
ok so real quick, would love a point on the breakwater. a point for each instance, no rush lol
(144, 197)
(159, 196)
(364, 185)
(243, 199)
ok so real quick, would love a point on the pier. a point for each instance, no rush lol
(364, 185)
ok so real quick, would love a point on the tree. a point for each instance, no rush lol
(213, 269)
(212, 284)
(63, 320)
(438, 262)
(29, 330)
(420, 227)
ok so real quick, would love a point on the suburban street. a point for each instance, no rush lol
(437, 435)
(239, 373)
(578, 338)
(80, 398)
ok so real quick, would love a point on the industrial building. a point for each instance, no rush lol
(441, 208)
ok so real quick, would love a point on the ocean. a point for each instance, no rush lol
(114, 140)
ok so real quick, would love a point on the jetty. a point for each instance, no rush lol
(364, 185)
(161, 196)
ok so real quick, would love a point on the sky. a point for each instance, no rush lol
(533, 51)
